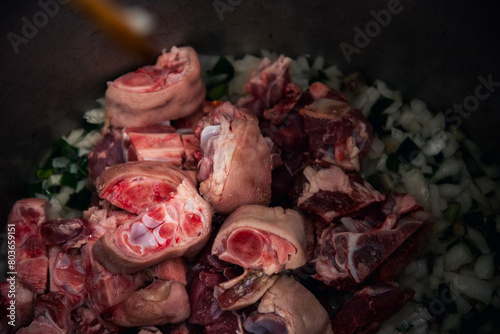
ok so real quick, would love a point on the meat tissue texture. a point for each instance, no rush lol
(336, 133)
(162, 143)
(349, 252)
(31, 264)
(109, 151)
(243, 290)
(267, 84)
(258, 237)
(288, 307)
(369, 307)
(236, 164)
(329, 193)
(169, 90)
(173, 219)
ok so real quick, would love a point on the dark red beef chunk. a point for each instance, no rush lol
(369, 307)
(109, 151)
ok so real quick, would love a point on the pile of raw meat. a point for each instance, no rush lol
(218, 218)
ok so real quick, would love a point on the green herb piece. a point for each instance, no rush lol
(217, 92)
(219, 78)
(223, 66)
(44, 173)
(83, 169)
(452, 211)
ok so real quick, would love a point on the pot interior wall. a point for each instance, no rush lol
(436, 51)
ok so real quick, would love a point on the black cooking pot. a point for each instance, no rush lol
(54, 64)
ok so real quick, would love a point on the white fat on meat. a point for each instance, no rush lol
(324, 179)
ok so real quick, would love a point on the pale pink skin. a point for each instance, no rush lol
(173, 219)
(159, 303)
(240, 158)
(169, 90)
(163, 301)
(291, 304)
(258, 237)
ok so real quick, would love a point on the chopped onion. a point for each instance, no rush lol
(436, 144)
(465, 201)
(449, 166)
(419, 160)
(485, 267)
(89, 141)
(74, 136)
(54, 209)
(95, 116)
(412, 313)
(457, 256)
(381, 165)
(478, 239)
(394, 109)
(451, 147)
(416, 185)
(434, 199)
(383, 89)
(485, 184)
(60, 162)
(369, 96)
(318, 64)
(53, 180)
(476, 194)
(450, 190)
(376, 149)
(435, 123)
(472, 287)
